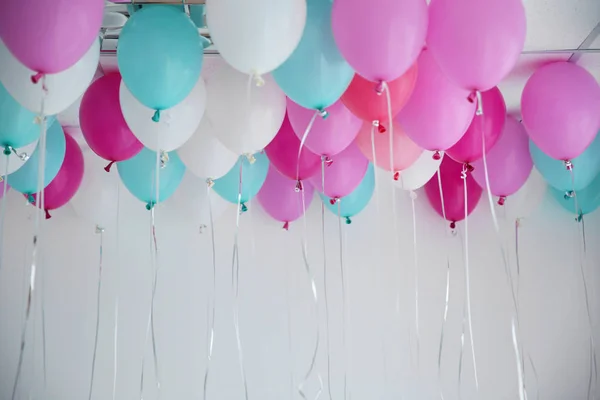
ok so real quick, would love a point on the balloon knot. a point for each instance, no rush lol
(381, 129)
(243, 207)
(379, 88)
(150, 205)
(286, 226)
(568, 165)
(210, 183)
(250, 157)
(259, 81)
(334, 200)
(453, 225)
(328, 161)
(437, 155)
(36, 78)
(110, 164)
(31, 199)
(348, 220)
(156, 116)
(569, 194)
(48, 216)
(164, 159)
(323, 113)
(7, 151)
(579, 217)
(397, 176)
(501, 200)
(470, 168)
(99, 229)
(472, 97)
(413, 195)
(299, 186)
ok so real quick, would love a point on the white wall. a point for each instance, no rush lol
(379, 269)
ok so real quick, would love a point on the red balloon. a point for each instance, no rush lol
(66, 183)
(363, 100)
(102, 122)
(451, 173)
(470, 147)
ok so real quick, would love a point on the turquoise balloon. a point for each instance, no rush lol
(316, 75)
(25, 179)
(253, 177)
(588, 199)
(160, 56)
(356, 201)
(197, 15)
(585, 167)
(138, 174)
(17, 124)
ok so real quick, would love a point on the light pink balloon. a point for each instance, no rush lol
(561, 109)
(405, 151)
(328, 136)
(509, 162)
(344, 174)
(380, 39)
(279, 198)
(477, 43)
(438, 112)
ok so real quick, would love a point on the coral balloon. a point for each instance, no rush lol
(489, 126)
(453, 190)
(464, 53)
(560, 106)
(438, 113)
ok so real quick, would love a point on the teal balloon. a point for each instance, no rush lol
(138, 174)
(356, 201)
(17, 124)
(253, 177)
(316, 75)
(588, 199)
(197, 15)
(160, 56)
(585, 167)
(25, 179)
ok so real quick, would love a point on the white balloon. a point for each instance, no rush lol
(418, 174)
(63, 89)
(176, 125)
(245, 117)
(255, 37)
(16, 161)
(204, 155)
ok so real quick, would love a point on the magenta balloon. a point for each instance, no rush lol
(344, 174)
(561, 109)
(2, 189)
(102, 122)
(439, 112)
(380, 39)
(463, 32)
(283, 154)
(66, 183)
(452, 186)
(49, 36)
(279, 198)
(509, 162)
(470, 147)
(328, 136)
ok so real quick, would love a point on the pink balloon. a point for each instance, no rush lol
(102, 122)
(452, 187)
(561, 109)
(49, 36)
(405, 152)
(462, 34)
(328, 136)
(283, 154)
(344, 174)
(66, 183)
(470, 147)
(279, 198)
(438, 112)
(380, 39)
(509, 162)
(2, 188)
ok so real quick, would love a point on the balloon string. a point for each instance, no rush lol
(160, 163)
(100, 232)
(373, 127)
(213, 300)
(344, 308)
(462, 335)
(3, 210)
(116, 322)
(323, 114)
(288, 289)
(413, 197)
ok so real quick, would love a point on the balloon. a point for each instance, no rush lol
(380, 39)
(356, 201)
(405, 153)
(253, 176)
(464, 53)
(3, 188)
(245, 118)
(280, 199)
(177, 124)
(50, 36)
(233, 23)
(63, 88)
(327, 136)
(25, 180)
(160, 56)
(585, 167)
(102, 122)
(509, 162)
(438, 113)
(586, 200)
(560, 106)
(345, 173)
(316, 74)
(470, 147)
(18, 125)
(139, 176)
(453, 190)
(204, 155)
(283, 155)
(419, 173)
(363, 100)
(66, 183)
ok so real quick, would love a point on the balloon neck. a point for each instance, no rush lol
(250, 157)
(327, 160)
(453, 225)
(243, 207)
(48, 216)
(501, 200)
(569, 194)
(99, 229)
(334, 200)
(35, 79)
(579, 217)
(210, 183)
(7, 151)
(472, 97)
(568, 165)
(31, 198)
(437, 155)
(286, 226)
(156, 116)
(150, 205)
(108, 167)
(348, 220)
(397, 176)
(299, 186)
(323, 113)
(259, 81)
(379, 88)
